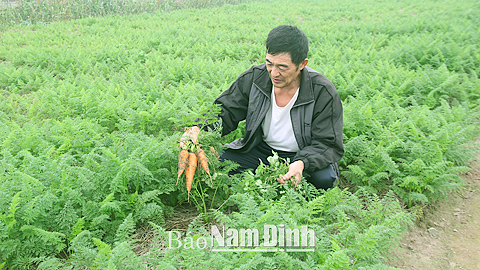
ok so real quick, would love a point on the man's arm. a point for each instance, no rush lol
(327, 133)
(233, 104)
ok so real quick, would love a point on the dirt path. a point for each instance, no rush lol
(448, 237)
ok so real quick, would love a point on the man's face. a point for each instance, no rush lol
(283, 72)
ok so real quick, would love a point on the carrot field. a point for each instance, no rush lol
(94, 99)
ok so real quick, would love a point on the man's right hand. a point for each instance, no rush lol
(191, 134)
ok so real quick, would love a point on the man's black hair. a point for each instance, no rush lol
(288, 39)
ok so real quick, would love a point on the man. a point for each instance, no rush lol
(288, 108)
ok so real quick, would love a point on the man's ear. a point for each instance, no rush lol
(303, 64)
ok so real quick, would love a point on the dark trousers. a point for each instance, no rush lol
(322, 179)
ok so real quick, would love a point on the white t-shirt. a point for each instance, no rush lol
(277, 126)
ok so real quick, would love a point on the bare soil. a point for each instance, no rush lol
(448, 235)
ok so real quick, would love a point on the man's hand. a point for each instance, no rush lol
(191, 134)
(295, 169)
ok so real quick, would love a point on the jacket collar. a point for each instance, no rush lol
(306, 91)
(263, 81)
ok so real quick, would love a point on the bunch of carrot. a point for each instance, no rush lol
(188, 158)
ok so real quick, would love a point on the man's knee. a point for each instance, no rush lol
(324, 178)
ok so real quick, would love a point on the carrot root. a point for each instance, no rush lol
(190, 170)
(182, 162)
(202, 159)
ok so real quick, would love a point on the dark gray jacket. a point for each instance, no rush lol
(317, 115)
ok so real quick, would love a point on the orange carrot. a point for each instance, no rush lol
(182, 162)
(202, 159)
(190, 170)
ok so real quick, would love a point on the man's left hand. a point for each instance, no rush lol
(295, 169)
